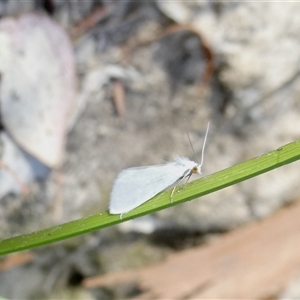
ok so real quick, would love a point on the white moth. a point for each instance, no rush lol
(135, 186)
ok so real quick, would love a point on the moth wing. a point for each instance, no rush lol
(134, 186)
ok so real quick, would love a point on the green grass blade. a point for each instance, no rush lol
(264, 163)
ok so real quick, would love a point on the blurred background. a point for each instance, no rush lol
(88, 88)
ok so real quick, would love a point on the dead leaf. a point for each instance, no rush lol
(38, 85)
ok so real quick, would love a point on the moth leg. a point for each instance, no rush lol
(173, 190)
(188, 178)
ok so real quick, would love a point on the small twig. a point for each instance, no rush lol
(16, 260)
(118, 97)
(90, 21)
(22, 185)
(210, 62)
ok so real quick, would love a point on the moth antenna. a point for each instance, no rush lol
(187, 133)
(204, 143)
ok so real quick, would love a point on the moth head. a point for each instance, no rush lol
(196, 169)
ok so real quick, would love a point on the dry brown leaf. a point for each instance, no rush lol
(253, 262)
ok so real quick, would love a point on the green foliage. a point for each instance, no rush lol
(251, 168)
